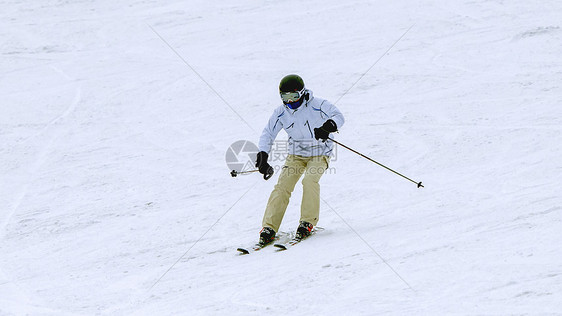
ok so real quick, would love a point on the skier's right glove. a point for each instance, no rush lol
(263, 166)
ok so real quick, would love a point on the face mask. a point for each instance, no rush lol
(294, 105)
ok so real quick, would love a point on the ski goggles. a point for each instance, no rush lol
(290, 97)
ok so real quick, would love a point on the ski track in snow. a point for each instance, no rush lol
(113, 158)
(49, 135)
(56, 131)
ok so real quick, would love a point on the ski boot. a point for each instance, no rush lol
(267, 235)
(304, 230)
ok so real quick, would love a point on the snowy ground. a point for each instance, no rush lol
(117, 198)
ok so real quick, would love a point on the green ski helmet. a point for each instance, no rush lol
(291, 89)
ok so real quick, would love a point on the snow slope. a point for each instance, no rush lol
(117, 199)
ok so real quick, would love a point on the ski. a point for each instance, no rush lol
(254, 248)
(292, 242)
(281, 237)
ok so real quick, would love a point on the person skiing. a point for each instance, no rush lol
(308, 121)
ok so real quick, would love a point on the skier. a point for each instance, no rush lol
(308, 121)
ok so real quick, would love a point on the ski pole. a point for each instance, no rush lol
(234, 173)
(372, 160)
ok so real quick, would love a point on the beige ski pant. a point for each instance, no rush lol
(294, 168)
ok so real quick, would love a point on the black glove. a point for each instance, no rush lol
(323, 132)
(263, 166)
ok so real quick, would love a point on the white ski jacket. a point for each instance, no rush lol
(299, 125)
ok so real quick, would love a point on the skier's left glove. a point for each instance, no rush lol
(263, 166)
(323, 132)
